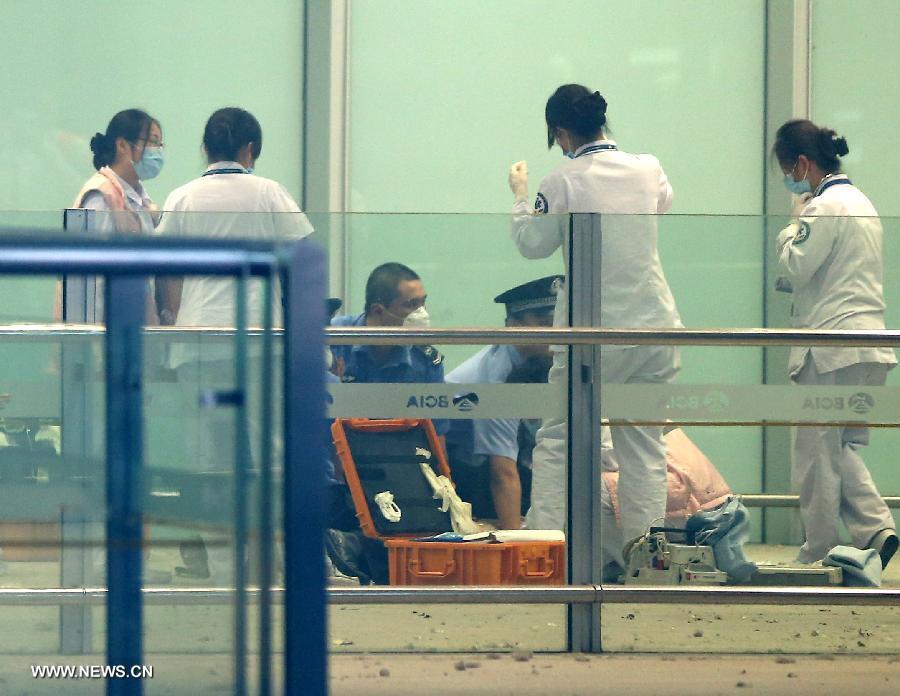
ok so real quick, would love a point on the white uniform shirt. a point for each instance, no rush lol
(832, 256)
(234, 205)
(629, 190)
(136, 199)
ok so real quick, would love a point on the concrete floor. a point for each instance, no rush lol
(710, 648)
(496, 674)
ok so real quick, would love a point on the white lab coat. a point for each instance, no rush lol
(629, 190)
(832, 257)
(221, 205)
(227, 206)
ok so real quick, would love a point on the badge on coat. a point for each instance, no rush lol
(803, 233)
(540, 204)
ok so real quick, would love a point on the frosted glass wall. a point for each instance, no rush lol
(68, 67)
(855, 91)
(445, 96)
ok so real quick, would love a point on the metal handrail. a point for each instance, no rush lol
(566, 594)
(350, 335)
(777, 500)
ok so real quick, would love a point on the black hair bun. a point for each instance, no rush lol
(599, 102)
(831, 142)
(98, 143)
(840, 145)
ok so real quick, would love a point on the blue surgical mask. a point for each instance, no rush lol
(250, 170)
(797, 187)
(569, 154)
(151, 163)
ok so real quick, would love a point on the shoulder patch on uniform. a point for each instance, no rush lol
(802, 233)
(540, 203)
(433, 354)
(348, 378)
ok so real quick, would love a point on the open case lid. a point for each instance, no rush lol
(386, 455)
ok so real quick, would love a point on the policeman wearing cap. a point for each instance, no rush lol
(484, 452)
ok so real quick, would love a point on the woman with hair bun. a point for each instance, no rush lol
(832, 260)
(129, 152)
(226, 202)
(630, 190)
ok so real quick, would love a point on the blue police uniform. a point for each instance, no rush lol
(471, 443)
(496, 437)
(406, 363)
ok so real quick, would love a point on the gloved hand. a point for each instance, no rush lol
(518, 180)
(799, 203)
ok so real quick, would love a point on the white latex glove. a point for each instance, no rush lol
(518, 180)
(460, 511)
(799, 203)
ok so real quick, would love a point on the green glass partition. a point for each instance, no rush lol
(718, 271)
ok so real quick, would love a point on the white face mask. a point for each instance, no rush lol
(329, 359)
(418, 319)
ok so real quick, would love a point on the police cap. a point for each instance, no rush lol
(333, 304)
(534, 295)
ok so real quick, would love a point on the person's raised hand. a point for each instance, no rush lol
(518, 180)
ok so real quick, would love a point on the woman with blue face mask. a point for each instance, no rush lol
(831, 255)
(128, 153)
(131, 151)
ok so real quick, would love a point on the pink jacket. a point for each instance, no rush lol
(107, 184)
(126, 221)
(694, 483)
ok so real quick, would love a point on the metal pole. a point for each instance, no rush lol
(582, 423)
(125, 307)
(305, 654)
(241, 462)
(77, 433)
(266, 532)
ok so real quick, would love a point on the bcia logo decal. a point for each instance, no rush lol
(463, 402)
(466, 402)
(858, 403)
(428, 401)
(715, 401)
(861, 402)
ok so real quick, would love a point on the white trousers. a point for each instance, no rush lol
(639, 450)
(830, 476)
(210, 445)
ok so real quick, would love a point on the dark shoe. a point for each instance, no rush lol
(194, 555)
(192, 573)
(885, 543)
(345, 549)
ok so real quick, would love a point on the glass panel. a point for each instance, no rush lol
(733, 408)
(857, 109)
(667, 58)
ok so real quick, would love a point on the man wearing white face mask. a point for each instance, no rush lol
(395, 296)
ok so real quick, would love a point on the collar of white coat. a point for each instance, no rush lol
(138, 196)
(831, 180)
(225, 165)
(595, 146)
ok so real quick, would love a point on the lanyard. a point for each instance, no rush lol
(832, 182)
(213, 172)
(596, 148)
